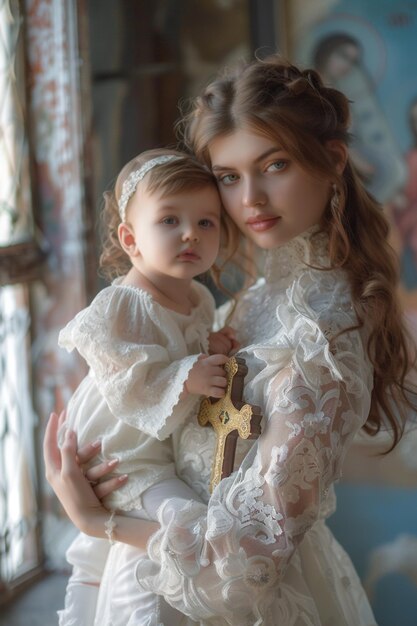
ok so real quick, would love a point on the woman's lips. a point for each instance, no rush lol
(262, 223)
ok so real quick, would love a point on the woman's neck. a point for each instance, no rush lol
(310, 248)
(171, 293)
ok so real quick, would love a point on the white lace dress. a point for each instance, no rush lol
(260, 552)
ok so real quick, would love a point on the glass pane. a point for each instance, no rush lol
(18, 507)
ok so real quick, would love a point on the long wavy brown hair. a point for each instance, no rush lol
(276, 99)
(183, 174)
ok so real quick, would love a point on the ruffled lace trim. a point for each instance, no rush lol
(316, 308)
(177, 553)
(176, 408)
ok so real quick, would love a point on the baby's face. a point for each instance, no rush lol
(176, 235)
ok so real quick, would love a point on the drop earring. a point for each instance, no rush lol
(335, 200)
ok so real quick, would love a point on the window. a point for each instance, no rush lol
(20, 261)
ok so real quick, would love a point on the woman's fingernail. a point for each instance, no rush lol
(96, 444)
(122, 478)
(113, 462)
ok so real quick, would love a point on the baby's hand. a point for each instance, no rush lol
(208, 377)
(223, 341)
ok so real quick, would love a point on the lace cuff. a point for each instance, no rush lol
(180, 569)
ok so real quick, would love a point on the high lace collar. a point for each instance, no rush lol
(309, 248)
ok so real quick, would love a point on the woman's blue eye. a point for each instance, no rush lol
(228, 179)
(169, 220)
(277, 166)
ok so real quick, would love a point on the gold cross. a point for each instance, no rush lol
(229, 417)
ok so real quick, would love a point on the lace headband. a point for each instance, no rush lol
(131, 182)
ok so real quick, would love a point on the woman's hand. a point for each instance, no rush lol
(80, 496)
(77, 491)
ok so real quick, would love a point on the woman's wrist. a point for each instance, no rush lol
(93, 524)
(131, 530)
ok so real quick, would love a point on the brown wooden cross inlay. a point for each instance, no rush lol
(230, 417)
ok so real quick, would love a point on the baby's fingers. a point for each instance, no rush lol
(216, 392)
(229, 332)
(218, 381)
(217, 372)
(216, 359)
(217, 386)
(234, 347)
(222, 345)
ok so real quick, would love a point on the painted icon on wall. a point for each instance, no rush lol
(369, 51)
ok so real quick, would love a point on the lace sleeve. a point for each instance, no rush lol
(227, 560)
(131, 354)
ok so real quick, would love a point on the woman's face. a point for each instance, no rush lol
(266, 193)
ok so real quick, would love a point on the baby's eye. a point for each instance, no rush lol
(170, 221)
(228, 179)
(206, 223)
(276, 166)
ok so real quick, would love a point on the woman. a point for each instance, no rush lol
(326, 352)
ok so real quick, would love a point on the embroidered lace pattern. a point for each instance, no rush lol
(245, 558)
